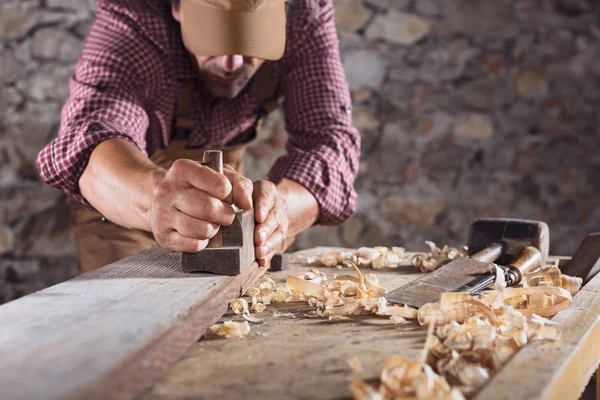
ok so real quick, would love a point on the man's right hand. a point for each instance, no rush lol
(192, 201)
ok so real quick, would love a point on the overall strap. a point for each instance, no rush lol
(184, 123)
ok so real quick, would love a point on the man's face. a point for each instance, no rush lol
(224, 76)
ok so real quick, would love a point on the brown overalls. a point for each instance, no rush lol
(101, 242)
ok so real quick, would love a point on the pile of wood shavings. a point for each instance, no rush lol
(474, 338)
(384, 257)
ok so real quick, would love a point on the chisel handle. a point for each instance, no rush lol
(527, 260)
(213, 159)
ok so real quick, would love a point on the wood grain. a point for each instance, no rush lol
(110, 333)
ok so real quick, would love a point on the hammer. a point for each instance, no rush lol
(231, 250)
(521, 245)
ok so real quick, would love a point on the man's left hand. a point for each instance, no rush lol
(271, 221)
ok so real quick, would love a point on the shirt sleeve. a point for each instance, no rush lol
(105, 102)
(323, 148)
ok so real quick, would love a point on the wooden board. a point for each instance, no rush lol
(110, 333)
(295, 357)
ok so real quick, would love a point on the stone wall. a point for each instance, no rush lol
(467, 108)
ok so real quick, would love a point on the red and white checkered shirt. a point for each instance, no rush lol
(128, 78)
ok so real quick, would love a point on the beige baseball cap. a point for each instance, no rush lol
(252, 28)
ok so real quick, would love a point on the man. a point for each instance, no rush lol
(159, 81)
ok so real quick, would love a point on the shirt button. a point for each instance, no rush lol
(346, 108)
(102, 86)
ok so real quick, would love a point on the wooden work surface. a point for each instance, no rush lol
(110, 333)
(292, 356)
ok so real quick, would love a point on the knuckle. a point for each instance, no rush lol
(213, 205)
(161, 190)
(269, 186)
(222, 186)
(205, 230)
(181, 165)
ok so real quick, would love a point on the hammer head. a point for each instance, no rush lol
(234, 255)
(514, 233)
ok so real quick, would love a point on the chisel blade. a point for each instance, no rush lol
(464, 273)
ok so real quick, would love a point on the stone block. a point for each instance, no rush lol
(10, 68)
(55, 43)
(364, 69)
(474, 127)
(47, 234)
(398, 27)
(350, 15)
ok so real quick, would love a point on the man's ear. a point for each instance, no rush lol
(175, 12)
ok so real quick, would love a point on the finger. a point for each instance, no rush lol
(194, 228)
(201, 177)
(264, 196)
(174, 241)
(273, 245)
(277, 214)
(200, 205)
(242, 188)
(263, 231)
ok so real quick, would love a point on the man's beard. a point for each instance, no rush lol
(223, 83)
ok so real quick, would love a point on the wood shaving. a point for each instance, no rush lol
(474, 338)
(339, 318)
(436, 257)
(229, 329)
(340, 295)
(384, 257)
(397, 320)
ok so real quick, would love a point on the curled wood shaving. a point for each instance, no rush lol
(375, 257)
(229, 329)
(339, 295)
(402, 378)
(258, 307)
(240, 306)
(571, 283)
(384, 257)
(554, 299)
(436, 257)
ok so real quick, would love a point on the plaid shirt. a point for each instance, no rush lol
(128, 77)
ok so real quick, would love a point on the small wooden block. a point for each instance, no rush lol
(279, 262)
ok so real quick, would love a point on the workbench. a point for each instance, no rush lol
(293, 356)
(130, 329)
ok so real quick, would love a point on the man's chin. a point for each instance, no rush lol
(225, 90)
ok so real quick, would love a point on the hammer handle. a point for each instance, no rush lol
(490, 253)
(213, 159)
(527, 260)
